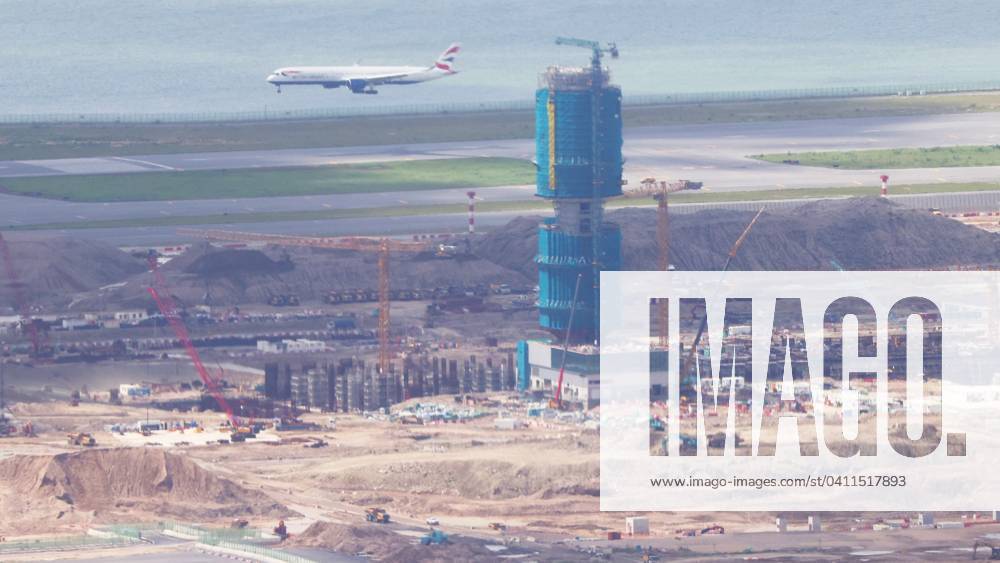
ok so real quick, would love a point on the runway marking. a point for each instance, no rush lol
(940, 179)
(146, 162)
(858, 183)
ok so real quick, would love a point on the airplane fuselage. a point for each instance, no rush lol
(334, 76)
(363, 79)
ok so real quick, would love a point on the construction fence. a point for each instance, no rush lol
(68, 543)
(499, 106)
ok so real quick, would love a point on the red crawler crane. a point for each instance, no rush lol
(166, 306)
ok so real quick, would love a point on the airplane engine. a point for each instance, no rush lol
(359, 86)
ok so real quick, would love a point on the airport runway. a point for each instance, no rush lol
(712, 153)
(404, 227)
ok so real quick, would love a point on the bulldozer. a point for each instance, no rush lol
(81, 439)
(377, 515)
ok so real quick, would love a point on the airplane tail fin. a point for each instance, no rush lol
(446, 62)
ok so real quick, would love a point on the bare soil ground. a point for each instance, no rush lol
(857, 234)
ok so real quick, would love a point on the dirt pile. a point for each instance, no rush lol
(382, 544)
(476, 479)
(119, 484)
(216, 276)
(857, 234)
(52, 271)
(204, 260)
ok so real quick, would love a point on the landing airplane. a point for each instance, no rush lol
(363, 79)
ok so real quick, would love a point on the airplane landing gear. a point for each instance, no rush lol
(279, 89)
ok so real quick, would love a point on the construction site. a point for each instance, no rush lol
(309, 398)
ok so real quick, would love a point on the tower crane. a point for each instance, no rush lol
(661, 192)
(383, 246)
(595, 47)
(596, 84)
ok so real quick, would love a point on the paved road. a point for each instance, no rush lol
(713, 153)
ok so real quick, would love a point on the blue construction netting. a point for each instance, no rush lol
(562, 258)
(572, 175)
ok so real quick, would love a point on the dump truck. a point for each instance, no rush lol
(377, 515)
(81, 439)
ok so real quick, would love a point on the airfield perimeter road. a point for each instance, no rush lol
(712, 153)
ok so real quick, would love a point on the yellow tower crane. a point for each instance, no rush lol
(383, 246)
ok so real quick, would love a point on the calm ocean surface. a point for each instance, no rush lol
(144, 56)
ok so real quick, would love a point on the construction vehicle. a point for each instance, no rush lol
(434, 537)
(81, 439)
(74, 398)
(693, 350)
(169, 310)
(383, 246)
(377, 515)
(498, 526)
(556, 402)
(281, 530)
(284, 300)
(239, 523)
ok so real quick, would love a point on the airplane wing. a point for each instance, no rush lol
(379, 79)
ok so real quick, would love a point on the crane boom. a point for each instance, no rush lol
(383, 246)
(729, 260)
(569, 327)
(166, 306)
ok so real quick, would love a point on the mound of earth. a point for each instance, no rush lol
(214, 276)
(125, 484)
(232, 263)
(382, 544)
(52, 271)
(856, 234)
(487, 479)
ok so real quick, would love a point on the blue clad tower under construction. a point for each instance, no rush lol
(578, 131)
